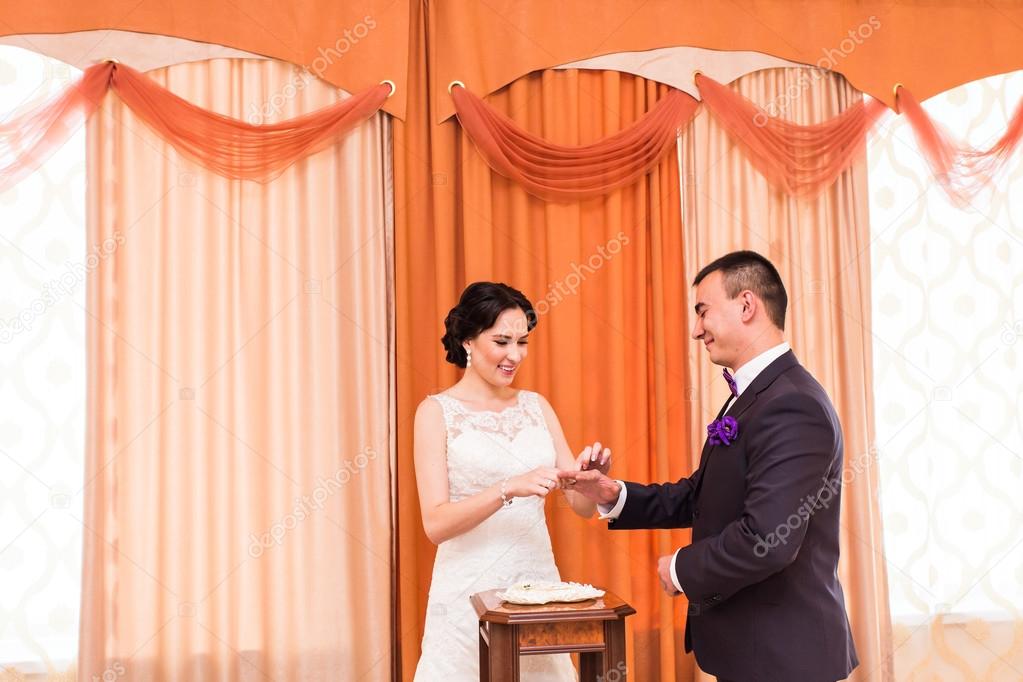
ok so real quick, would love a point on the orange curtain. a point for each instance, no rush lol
(821, 248)
(609, 280)
(357, 43)
(874, 43)
(238, 468)
(225, 145)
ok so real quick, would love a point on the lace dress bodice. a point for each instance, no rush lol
(515, 440)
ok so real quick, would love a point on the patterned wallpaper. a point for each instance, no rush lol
(43, 261)
(948, 372)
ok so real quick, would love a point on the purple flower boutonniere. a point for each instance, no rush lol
(723, 431)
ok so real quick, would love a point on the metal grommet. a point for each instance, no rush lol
(895, 94)
(452, 84)
(394, 88)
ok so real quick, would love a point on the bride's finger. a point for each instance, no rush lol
(584, 458)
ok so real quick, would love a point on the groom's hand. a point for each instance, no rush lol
(664, 575)
(591, 484)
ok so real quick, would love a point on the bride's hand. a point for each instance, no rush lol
(594, 458)
(539, 482)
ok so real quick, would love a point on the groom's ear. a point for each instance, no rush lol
(749, 305)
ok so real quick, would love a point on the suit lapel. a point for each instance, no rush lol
(766, 377)
(707, 447)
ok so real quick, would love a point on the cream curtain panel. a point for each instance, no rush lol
(821, 249)
(238, 470)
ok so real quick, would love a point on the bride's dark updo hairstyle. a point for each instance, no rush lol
(478, 309)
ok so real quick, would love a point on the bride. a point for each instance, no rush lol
(486, 456)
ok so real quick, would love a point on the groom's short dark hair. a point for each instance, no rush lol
(742, 270)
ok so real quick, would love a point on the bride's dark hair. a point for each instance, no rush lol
(478, 308)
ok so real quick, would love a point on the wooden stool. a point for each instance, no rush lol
(594, 629)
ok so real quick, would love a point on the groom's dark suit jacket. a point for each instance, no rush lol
(761, 576)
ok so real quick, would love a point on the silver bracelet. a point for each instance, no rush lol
(505, 500)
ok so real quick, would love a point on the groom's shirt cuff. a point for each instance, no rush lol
(610, 513)
(674, 574)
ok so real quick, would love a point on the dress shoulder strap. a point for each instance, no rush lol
(450, 408)
(530, 402)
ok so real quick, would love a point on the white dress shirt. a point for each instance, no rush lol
(743, 376)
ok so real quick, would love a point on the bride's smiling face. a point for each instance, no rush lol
(497, 352)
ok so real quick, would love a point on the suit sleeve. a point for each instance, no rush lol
(792, 449)
(659, 505)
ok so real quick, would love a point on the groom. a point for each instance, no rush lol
(761, 572)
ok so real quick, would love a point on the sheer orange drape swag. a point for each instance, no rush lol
(609, 351)
(238, 488)
(799, 159)
(962, 170)
(573, 172)
(225, 145)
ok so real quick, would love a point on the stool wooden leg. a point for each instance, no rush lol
(504, 653)
(614, 653)
(591, 666)
(484, 654)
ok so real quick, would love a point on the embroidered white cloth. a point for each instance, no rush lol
(548, 593)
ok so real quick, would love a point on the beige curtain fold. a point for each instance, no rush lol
(240, 409)
(821, 249)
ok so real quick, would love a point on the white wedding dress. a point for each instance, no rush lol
(510, 546)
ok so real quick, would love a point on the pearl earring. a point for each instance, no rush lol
(468, 358)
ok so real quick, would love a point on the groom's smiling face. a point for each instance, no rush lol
(718, 320)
